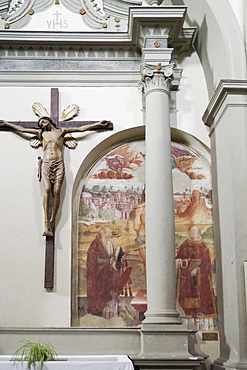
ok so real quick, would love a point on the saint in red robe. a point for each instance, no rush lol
(194, 284)
(103, 280)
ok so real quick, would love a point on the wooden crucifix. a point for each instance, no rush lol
(52, 132)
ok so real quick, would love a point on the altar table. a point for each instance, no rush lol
(101, 362)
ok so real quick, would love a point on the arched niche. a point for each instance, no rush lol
(190, 161)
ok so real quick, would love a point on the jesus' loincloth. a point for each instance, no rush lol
(54, 171)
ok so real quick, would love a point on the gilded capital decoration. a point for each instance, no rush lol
(154, 2)
(157, 78)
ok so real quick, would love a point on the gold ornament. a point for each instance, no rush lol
(82, 11)
(31, 11)
(7, 26)
(157, 44)
(117, 19)
(57, 2)
(158, 68)
(104, 25)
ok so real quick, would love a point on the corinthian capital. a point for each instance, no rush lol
(154, 2)
(157, 78)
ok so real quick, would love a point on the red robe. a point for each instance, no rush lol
(102, 279)
(195, 293)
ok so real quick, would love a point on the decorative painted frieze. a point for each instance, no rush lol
(64, 52)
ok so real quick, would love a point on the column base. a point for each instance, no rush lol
(221, 364)
(167, 341)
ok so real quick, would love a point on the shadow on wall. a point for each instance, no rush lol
(219, 39)
(200, 44)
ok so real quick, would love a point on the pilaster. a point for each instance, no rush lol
(226, 117)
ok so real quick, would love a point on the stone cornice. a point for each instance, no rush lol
(70, 78)
(168, 16)
(224, 89)
(69, 330)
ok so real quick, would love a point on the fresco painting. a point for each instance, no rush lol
(111, 240)
(194, 249)
(111, 255)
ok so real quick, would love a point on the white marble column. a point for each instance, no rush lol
(162, 333)
(160, 230)
(164, 339)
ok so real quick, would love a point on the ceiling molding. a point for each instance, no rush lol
(171, 17)
(72, 78)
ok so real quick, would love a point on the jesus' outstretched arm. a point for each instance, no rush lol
(17, 128)
(68, 130)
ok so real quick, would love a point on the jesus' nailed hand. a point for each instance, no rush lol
(52, 139)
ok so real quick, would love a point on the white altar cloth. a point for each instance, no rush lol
(101, 362)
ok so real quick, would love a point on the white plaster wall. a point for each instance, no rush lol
(237, 7)
(24, 302)
(219, 42)
(192, 98)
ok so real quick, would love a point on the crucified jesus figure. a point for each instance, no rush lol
(52, 169)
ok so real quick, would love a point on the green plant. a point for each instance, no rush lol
(35, 353)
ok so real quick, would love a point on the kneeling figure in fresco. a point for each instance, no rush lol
(105, 277)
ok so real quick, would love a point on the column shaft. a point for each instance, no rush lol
(160, 230)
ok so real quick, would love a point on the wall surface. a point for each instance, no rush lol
(190, 104)
(237, 7)
(219, 53)
(22, 245)
(219, 42)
